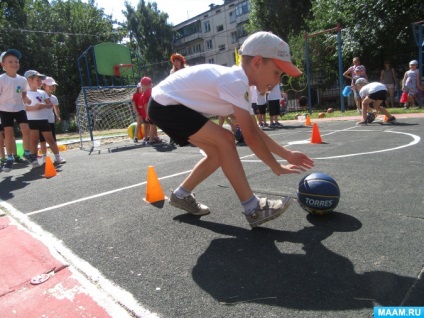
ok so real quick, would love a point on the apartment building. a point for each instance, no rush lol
(213, 36)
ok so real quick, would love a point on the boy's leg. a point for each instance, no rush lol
(25, 135)
(48, 136)
(220, 149)
(379, 108)
(9, 139)
(137, 127)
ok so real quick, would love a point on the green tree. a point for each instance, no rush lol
(151, 36)
(281, 17)
(52, 35)
(370, 27)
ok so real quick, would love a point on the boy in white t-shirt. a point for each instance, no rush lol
(373, 95)
(38, 110)
(181, 104)
(273, 98)
(13, 89)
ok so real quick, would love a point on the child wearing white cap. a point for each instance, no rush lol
(13, 89)
(38, 108)
(373, 95)
(411, 83)
(182, 104)
(49, 86)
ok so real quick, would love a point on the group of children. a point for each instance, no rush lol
(35, 111)
(410, 83)
(273, 100)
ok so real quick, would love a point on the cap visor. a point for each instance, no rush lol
(288, 68)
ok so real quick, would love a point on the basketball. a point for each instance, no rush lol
(131, 129)
(370, 117)
(318, 193)
(330, 110)
(321, 115)
(238, 135)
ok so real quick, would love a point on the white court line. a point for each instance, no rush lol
(416, 139)
(101, 194)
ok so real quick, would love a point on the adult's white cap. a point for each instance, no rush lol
(269, 45)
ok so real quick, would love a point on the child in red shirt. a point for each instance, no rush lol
(146, 88)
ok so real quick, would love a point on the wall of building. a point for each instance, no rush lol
(213, 36)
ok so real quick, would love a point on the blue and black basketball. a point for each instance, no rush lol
(318, 193)
(238, 135)
(370, 117)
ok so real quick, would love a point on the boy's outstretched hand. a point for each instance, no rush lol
(300, 160)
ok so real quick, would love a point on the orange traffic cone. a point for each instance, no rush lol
(49, 170)
(308, 120)
(154, 192)
(316, 137)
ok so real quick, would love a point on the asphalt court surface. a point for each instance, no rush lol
(368, 253)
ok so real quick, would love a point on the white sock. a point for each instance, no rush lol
(181, 193)
(250, 205)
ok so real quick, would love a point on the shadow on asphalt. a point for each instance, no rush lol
(291, 269)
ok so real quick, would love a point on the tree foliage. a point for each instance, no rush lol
(52, 35)
(370, 27)
(151, 36)
(281, 17)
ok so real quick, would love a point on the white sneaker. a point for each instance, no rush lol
(59, 160)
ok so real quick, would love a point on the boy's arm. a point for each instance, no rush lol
(263, 146)
(56, 111)
(25, 98)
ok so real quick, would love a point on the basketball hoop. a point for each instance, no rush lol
(120, 69)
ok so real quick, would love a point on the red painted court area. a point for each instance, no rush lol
(24, 263)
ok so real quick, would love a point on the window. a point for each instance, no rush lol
(196, 48)
(209, 45)
(243, 8)
(222, 47)
(241, 31)
(211, 61)
(220, 28)
(232, 16)
(233, 37)
(207, 25)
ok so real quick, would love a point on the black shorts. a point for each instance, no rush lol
(262, 109)
(274, 107)
(255, 108)
(380, 95)
(39, 124)
(177, 121)
(1, 129)
(8, 118)
(53, 130)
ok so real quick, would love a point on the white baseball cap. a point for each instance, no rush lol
(30, 73)
(269, 45)
(361, 81)
(49, 81)
(413, 62)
